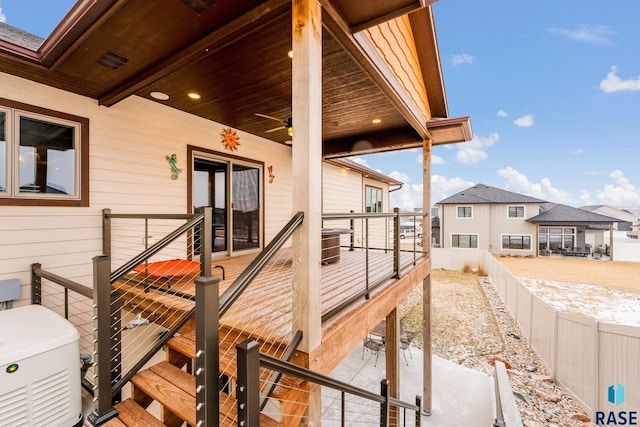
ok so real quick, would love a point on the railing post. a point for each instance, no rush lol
(207, 358)
(366, 258)
(352, 228)
(384, 406)
(103, 404)
(36, 285)
(396, 243)
(419, 405)
(248, 386)
(206, 241)
(106, 232)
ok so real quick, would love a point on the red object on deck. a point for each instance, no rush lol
(170, 268)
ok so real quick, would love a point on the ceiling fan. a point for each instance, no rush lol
(287, 124)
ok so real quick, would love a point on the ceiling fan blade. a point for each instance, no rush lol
(275, 129)
(269, 117)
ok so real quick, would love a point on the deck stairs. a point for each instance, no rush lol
(171, 384)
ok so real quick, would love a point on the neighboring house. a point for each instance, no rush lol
(503, 222)
(119, 111)
(625, 218)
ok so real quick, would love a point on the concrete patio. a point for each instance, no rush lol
(461, 396)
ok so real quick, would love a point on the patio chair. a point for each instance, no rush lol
(374, 345)
(405, 344)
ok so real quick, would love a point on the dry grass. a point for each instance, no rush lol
(622, 276)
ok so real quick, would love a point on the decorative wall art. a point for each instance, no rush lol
(172, 159)
(230, 139)
(271, 175)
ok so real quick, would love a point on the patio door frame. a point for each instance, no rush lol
(194, 153)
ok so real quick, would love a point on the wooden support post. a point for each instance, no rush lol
(392, 351)
(306, 23)
(426, 283)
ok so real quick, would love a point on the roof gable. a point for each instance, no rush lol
(481, 194)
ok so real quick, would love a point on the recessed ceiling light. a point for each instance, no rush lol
(290, 54)
(194, 95)
(376, 121)
(160, 96)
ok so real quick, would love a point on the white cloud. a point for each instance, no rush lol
(613, 83)
(519, 183)
(3, 17)
(461, 58)
(410, 195)
(524, 121)
(473, 151)
(621, 193)
(502, 113)
(577, 152)
(400, 176)
(593, 34)
(435, 160)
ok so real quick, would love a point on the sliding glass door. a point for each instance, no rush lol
(233, 189)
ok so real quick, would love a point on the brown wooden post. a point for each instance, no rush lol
(392, 351)
(426, 283)
(306, 23)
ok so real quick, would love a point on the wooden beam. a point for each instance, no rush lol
(379, 142)
(376, 69)
(247, 24)
(426, 283)
(392, 352)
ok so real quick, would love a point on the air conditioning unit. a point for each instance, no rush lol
(39, 369)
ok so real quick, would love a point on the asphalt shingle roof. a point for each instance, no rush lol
(20, 38)
(480, 193)
(557, 213)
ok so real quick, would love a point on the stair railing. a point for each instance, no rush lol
(250, 359)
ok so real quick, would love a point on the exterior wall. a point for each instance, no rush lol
(394, 41)
(490, 222)
(343, 191)
(128, 174)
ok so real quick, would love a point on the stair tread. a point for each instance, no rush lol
(185, 344)
(176, 400)
(168, 375)
(132, 414)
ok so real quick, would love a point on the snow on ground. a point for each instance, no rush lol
(603, 304)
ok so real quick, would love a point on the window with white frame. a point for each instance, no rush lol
(42, 153)
(516, 242)
(464, 240)
(372, 199)
(464, 212)
(516, 211)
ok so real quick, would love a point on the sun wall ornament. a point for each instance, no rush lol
(230, 139)
(172, 159)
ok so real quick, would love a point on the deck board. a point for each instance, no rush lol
(264, 311)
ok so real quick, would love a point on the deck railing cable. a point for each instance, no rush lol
(390, 242)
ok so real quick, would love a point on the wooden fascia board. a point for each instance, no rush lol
(424, 34)
(243, 26)
(385, 80)
(378, 142)
(382, 18)
(461, 123)
(75, 28)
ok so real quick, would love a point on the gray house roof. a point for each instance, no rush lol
(481, 194)
(20, 38)
(555, 213)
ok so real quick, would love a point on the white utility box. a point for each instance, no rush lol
(39, 369)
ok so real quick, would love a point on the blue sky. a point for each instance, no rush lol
(552, 88)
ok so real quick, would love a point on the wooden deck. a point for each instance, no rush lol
(264, 311)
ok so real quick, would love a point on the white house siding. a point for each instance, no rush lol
(128, 174)
(490, 222)
(343, 191)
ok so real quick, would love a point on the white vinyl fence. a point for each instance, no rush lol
(584, 355)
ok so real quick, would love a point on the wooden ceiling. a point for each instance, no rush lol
(233, 53)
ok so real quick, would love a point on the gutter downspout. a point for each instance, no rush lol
(395, 189)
